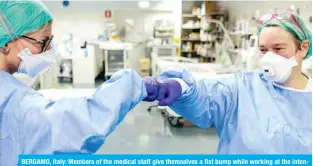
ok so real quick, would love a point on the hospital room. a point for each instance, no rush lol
(154, 77)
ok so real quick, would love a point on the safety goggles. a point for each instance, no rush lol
(45, 43)
(281, 17)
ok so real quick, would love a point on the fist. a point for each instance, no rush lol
(169, 91)
(152, 87)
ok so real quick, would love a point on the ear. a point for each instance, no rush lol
(5, 50)
(305, 46)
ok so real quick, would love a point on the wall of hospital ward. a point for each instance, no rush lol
(85, 19)
(91, 13)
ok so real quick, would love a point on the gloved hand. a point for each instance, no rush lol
(169, 91)
(165, 92)
(152, 87)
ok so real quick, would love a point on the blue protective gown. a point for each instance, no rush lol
(251, 115)
(31, 124)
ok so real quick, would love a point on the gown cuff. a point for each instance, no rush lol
(182, 83)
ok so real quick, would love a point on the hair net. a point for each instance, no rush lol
(288, 24)
(20, 18)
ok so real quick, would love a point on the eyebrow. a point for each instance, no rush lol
(278, 44)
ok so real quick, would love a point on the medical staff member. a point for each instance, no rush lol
(254, 112)
(31, 124)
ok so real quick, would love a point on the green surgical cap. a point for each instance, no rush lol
(20, 18)
(290, 26)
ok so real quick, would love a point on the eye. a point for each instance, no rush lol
(263, 50)
(278, 49)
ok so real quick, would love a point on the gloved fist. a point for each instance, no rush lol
(152, 87)
(166, 92)
(169, 91)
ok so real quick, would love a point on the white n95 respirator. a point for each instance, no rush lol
(277, 68)
(33, 65)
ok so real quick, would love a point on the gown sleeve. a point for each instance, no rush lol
(78, 125)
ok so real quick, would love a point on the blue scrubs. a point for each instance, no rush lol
(31, 124)
(251, 115)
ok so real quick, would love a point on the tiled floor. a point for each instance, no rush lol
(143, 132)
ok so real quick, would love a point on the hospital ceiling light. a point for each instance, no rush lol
(144, 4)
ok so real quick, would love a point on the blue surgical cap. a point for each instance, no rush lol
(18, 18)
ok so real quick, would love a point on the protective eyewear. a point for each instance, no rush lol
(45, 43)
(281, 17)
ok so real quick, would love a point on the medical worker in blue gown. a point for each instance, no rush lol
(31, 124)
(266, 111)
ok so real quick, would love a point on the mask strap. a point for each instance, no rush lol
(2, 17)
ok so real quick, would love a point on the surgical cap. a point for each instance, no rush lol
(20, 18)
(290, 26)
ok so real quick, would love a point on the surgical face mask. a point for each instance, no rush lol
(277, 68)
(33, 65)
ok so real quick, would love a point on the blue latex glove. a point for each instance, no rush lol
(166, 92)
(169, 91)
(152, 87)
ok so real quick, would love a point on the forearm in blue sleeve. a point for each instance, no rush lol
(80, 125)
(204, 102)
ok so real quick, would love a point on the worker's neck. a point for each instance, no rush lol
(297, 80)
(3, 66)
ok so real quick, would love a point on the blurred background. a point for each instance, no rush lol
(213, 39)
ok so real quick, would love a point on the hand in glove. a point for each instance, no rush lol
(152, 87)
(169, 91)
(166, 92)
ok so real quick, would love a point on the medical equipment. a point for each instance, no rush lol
(115, 56)
(250, 54)
(109, 30)
(114, 61)
(161, 51)
(164, 50)
(223, 56)
(229, 43)
(66, 69)
(247, 57)
(87, 65)
(242, 26)
(164, 30)
(253, 42)
(163, 45)
(80, 63)
(67, 50)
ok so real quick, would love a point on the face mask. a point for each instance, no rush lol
(33, 65)
(277, 68)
